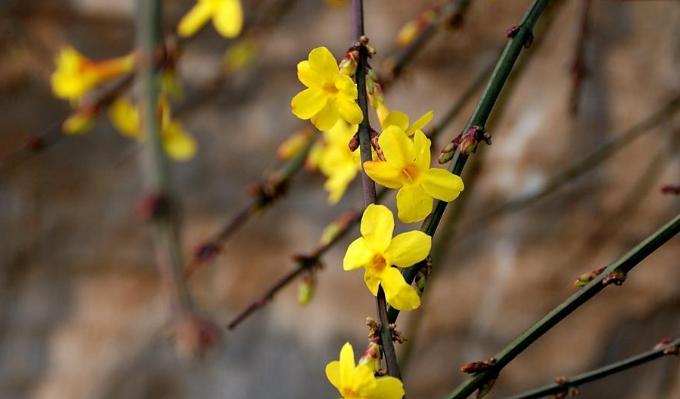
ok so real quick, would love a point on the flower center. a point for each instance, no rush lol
(410, 173)
(378, 262)
(348, 393)
(329, 87)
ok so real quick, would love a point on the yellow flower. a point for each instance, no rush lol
(330, 95)
(400, 120)
(358, 381)
(227, 16)
(177, 142)
(336, 161)
(75, 74)
(407, 168)
(377, 252)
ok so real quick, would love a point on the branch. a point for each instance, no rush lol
(615, 273)
(368, 185)
(578, 64)
(520, 37)
(565, 385)
(158, 201)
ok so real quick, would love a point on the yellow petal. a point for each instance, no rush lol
(399, 294)
(413, 204)
(377, 225)
(228, 18)
(383, 173)
(308, 103)
(442, 184)
(78, 123)
(388, 388)
(397, 147)
(422, 149)
(396, 118)
(346, 364)
(338, 181)
(333, 373)
(323, 61)
(372, 281)
(179, 145)
(349, 110)
(308, 76)
(194, 20)
(358, 254)
(363, 382)
(327, 117)
(346, 87)
(406, 249)
(420, 123)
(125, 118)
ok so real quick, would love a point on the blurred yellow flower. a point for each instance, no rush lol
(75, 74)
(407, 168)
(178, 144)
(330, 95)
(377, 252)
(227, 17)
(358, 381)
(336, 161)
(240, 55)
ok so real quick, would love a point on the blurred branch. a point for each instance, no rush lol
(585, 164)
(158, 202)
(615, 274)
(578, 64)
(568, 385)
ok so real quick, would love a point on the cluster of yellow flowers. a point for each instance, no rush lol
(401, 162)
(76, 76)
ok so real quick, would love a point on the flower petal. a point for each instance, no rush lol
(349, 110)
(372, 281)
(308, 103)
(397, 147)
(388, 388)
(420, 123)
(125, 118)
(346, 364)
(383, 173)
(408, 248)
(358, 254)
(442, 184)
(323, 61)
(337, 182)
(413, 204)
(346, 87)
(363, 383)
(308, 76)
(422, 148)
(194, 20)
(228, 18)
(399, 294)
(179, 145)
(327, 117)
(333, 373)
(396, 118)
(377, 225)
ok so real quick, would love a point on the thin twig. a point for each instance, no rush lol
(155, 166)
(615, 274)
(578, 64)
(565, 385)
(368, 185)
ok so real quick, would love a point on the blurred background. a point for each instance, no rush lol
(82, 310)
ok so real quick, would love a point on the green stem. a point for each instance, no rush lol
(156, 174)
(598, 374)
(620, 267)
(497, 81)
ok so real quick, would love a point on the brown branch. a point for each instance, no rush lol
(578, 64)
